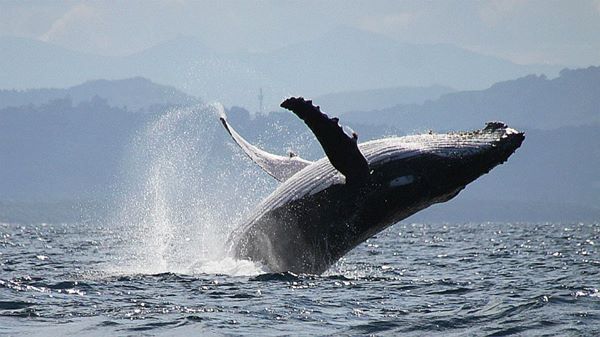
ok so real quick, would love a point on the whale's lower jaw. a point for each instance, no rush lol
(314, 218)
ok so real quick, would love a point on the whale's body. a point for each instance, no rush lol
(318, 214)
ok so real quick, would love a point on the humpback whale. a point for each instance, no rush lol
(323, 209)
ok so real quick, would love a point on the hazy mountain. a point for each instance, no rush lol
(28, 64)
(133, 93)
(351, 59)
(62, 152)
(190, 66)
(184, 63)
(345, 59)
(532, 101)
(365, 100)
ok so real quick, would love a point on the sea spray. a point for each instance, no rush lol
(184, 190)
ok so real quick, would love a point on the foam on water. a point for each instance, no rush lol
(182, 197)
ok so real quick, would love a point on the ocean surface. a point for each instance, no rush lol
(473, 279)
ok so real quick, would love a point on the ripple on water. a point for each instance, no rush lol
(513, 284)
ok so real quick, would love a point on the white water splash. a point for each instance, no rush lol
(186, 191)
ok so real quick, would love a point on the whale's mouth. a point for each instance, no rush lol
(452, 161)
(506, 132)
(507, 142)
(484, 149)
(489, 146)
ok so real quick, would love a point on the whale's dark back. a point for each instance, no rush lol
(314, 218)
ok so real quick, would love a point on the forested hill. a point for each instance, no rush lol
(536, 102)
(136, 93)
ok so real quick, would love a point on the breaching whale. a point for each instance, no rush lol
(325, 208)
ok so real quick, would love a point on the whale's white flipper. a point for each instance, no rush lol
(279, 167)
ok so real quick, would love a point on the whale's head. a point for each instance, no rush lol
(430, 168)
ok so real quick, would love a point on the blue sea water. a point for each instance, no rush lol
(492, 279)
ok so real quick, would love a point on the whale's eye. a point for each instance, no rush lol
(402, 180)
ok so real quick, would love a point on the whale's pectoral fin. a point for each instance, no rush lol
(341, 149)
(280, 167)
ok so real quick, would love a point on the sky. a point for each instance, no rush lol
(564, 32)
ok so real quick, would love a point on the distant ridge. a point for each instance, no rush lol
(347, 59)
(135, 94)
(364, 100)
(533, 101)
(56, 153)
(343, 59)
